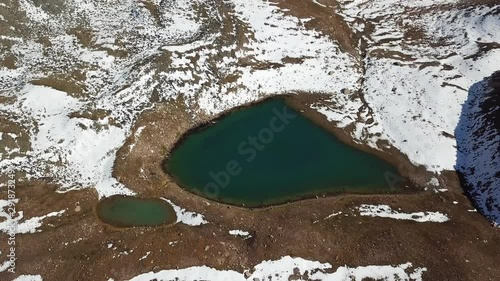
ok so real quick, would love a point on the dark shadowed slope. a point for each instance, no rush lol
(478, 140)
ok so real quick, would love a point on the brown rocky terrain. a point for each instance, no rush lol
(133, 76)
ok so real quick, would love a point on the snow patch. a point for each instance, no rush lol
(145, 256)
(241, 233)
(28, 278)
(27, 226)
(4, 266)
(384, 211)
(187, 217)
(282, 269)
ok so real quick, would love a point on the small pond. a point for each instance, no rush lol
(126, 211)
(267, 154)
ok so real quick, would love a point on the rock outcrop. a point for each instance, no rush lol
(478, 140)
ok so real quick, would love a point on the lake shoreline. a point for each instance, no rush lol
(301, 104)
(117, 225)
(275, 102)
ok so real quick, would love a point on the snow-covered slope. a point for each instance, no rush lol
(107, 58)
(96, 65)
(421, 58)
(478, 139)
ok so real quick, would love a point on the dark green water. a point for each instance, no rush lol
(125, 211)
(269, 154)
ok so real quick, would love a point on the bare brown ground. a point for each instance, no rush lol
(325, 20)
(74, 246)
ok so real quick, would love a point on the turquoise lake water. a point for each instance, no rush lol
(124, 211)
(269, 154)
